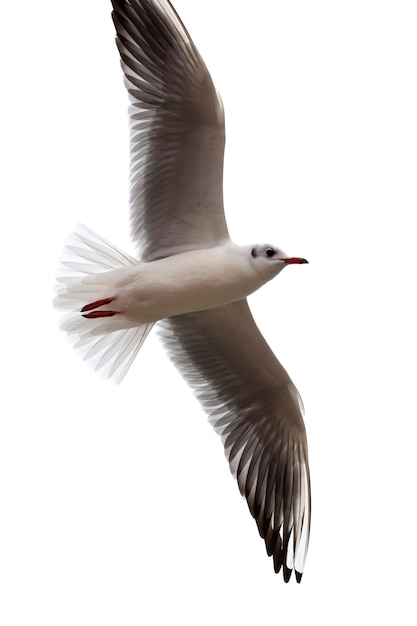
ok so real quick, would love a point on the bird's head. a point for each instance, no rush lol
(271, 260)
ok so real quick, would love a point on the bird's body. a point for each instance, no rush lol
(191, 278)
(191, 281)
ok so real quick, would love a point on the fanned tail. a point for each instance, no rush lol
(106, 339)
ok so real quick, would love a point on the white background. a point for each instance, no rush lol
(117, 506)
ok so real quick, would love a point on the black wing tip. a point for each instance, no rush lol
(287, 573)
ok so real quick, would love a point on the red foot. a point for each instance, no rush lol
(96, 305)
(96, 314)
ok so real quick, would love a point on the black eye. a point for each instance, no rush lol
(269, 252)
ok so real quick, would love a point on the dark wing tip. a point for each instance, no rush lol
(287, 573)
(298, 576)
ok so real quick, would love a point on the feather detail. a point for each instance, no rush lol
(106, 339)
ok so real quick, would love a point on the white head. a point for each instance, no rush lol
(270, 260)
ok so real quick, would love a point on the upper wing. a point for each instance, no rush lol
(176, 132)
(254, 406)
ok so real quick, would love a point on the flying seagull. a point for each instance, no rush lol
(191, 278)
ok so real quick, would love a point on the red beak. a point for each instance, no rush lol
(294, 259)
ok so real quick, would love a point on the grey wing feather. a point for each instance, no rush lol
(254, 406)
(177, 132)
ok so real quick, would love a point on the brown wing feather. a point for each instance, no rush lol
(254, 406)
(176, 132)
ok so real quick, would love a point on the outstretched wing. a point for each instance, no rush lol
(176, 132)
(254, 406)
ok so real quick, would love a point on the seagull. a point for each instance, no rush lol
(191, 279)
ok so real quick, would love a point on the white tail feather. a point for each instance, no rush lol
(107, 344)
